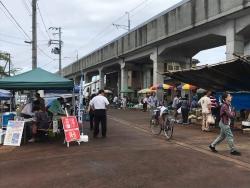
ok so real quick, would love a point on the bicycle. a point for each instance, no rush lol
(167, 126)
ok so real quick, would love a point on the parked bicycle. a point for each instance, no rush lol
(162, 121)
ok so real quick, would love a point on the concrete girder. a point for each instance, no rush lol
(191, 48)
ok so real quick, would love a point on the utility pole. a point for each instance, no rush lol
(128, 21)
(57, 50)
(126, 27)
(9, 62)
(34, 34)
(60, 52)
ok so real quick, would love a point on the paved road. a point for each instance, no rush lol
(129, 157)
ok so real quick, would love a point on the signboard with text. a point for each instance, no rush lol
(14, 133)
(71, 129)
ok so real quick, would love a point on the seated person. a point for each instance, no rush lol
(41, 121)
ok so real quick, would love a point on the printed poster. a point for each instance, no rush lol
(71, 129)
(14, 133)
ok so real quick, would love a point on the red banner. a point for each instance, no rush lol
(71, 129)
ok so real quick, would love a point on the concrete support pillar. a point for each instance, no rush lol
(247, 49)
(158, 67)
(86, 78)
(124, 78)
(234, 42)
(119, 83)
(147, 78)
(101, 76)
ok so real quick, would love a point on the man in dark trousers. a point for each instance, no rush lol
(99, 105)
(91, 114)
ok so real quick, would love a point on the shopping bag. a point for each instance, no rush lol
(210, 119)
(179, 110)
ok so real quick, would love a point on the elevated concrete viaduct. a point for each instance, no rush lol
(167, 42)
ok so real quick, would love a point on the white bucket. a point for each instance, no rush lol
(84, 138)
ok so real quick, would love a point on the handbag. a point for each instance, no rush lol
(179, 111)
(210, 119)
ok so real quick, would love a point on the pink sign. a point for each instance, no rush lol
(71, 129)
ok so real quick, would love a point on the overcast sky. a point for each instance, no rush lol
(86, 25)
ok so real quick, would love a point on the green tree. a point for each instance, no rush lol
(3, 70)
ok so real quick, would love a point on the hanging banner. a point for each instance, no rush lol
(14, 133)
(71, 129)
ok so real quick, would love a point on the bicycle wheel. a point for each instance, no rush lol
(168, 128)
(155, 126)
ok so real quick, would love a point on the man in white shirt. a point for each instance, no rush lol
(152, 100)
(175, 104)
(99, 105)
(205, 103)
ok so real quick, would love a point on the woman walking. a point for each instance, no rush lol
(226, 113)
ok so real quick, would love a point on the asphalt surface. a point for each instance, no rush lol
(129, 157)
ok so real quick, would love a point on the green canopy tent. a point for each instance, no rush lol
(37, 79)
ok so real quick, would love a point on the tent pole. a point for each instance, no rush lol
(73, 101)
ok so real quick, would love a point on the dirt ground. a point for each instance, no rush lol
(129, 157)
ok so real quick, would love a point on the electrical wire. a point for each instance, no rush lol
(45, 65)
(44, 53)
(26, 7)
(13, 43)
(10, 19)
(43, 21)
(11, 15)
(11, 36)
(101, 33)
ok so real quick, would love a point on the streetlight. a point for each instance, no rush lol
(28, 42)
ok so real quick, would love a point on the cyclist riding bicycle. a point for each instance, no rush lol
(161, 109)
(162, 121)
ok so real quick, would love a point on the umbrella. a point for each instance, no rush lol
(154, 87)
(146, 90)
(201, 90)
(161, 86)
(127, 91)
(186, 87)
(107, 91)
(166, 86)
(5, 95)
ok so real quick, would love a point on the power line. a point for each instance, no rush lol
(137, 11)
(45, 65)
(26, 7)
(44, 53)
(105, 28)
(142, 3)
(15, 20)
(11, 36)
(43, 21)
(10, 19)
(9, 42)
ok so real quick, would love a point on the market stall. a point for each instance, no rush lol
(230, 76)
(37, 79)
